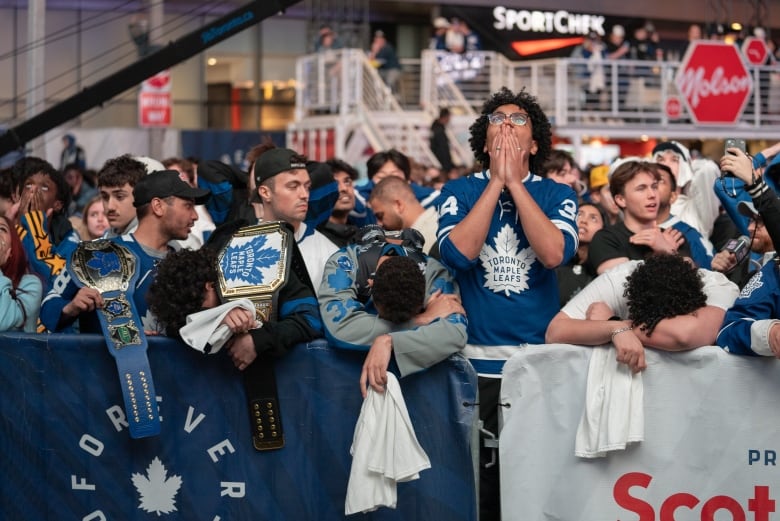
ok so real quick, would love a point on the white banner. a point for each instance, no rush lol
(711, 437)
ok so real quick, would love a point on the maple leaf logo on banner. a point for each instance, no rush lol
(157, 491)
(506, 270)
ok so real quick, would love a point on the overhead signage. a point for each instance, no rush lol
(553, 22)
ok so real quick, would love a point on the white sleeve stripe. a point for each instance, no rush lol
(444, 232)
(432, 197)
(565, 227)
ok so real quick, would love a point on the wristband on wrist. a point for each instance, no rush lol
(618, 331)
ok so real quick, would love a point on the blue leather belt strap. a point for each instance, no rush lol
(111, 269)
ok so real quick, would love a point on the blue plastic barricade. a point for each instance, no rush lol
(65, 452)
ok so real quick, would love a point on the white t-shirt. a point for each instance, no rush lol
(609, 288)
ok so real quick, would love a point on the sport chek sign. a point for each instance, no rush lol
(714, 83)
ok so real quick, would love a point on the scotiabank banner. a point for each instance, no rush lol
(711, 437)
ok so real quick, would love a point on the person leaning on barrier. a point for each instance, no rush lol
(186, 282)
(664, 302)
(357, 318)
(503, 231)
(749, 327)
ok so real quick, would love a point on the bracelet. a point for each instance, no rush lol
(618, 331)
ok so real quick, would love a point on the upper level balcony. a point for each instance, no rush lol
(617, 99)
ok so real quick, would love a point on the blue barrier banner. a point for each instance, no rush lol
(65, 450)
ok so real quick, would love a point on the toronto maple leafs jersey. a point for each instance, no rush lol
(745, 329)
(509, 296)
(64, 289)
(352, 324)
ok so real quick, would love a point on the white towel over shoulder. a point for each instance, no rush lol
(384, 451)
(614, 414)
(203, 331)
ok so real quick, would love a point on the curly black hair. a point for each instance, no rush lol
(541, 130)
(664, 286)
(399, 289)
(180, 286)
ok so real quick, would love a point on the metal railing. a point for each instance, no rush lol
(619, 98)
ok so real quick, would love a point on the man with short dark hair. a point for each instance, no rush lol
(283, 184)
(398, 289)
(165, 207)
(116, 181)
(440, 143)
(338, 228)
(396, 208)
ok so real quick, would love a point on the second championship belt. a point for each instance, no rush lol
(254, 264)
(112, 269)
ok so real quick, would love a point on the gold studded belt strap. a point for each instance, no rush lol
(254, 264)
(111, 269)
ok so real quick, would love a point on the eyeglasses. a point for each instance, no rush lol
(517, 118)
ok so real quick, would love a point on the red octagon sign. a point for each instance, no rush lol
(755, 50)
(714, 83)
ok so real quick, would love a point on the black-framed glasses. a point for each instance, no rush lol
(517, 118)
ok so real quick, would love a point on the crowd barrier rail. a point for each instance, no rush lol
(65, 451)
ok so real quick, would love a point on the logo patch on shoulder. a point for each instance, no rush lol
(345, 263)
(506, 269)
(753, 284)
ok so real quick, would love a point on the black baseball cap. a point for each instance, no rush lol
(166, 183)
(275, 161)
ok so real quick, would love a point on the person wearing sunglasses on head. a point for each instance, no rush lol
(503, 231)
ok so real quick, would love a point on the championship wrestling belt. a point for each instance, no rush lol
(111, 269)
(254, 264)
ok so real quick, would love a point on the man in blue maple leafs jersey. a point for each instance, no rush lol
(503, 231)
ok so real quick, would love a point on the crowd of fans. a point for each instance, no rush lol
(644, 252)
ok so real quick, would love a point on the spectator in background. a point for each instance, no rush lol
(80, 190)
(7, 191)
(576, 274)
(560, 168)
(337, 228)
(440, 143)
(327, 40)
(471, 39)
(204, 225)
(454, 39)
(383, 55)
(384, 164)
(696, 202)
(396, 208)
(617, 46)
(20, 290)
(72, 153)
(701, 249)
(438, 40)
(592, 74)
(94, 221)
(116, 181)
(600, 194)
(44, 228)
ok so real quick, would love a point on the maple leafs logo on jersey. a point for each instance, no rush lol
(244, 262)
(104, 263)
(753, 284)
(157, 491)
(506, 269)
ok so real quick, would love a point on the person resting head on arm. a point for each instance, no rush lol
(663, 302)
